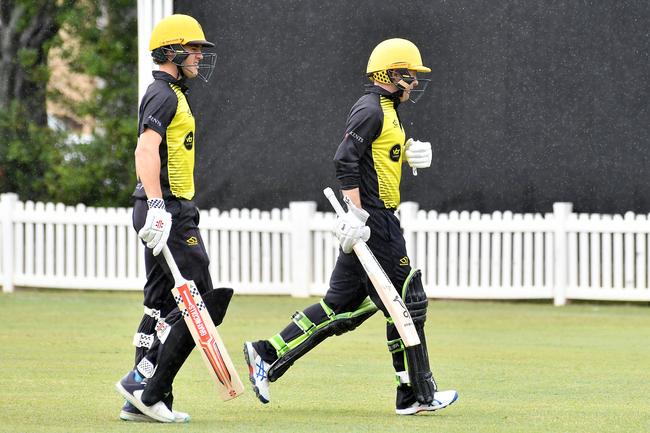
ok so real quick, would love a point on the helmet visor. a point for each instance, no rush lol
(404, 78)
(205, 66)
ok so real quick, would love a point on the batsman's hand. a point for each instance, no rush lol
(418, 153)
(155, 231)
(351, 227)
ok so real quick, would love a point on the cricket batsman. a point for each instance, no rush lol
(164, 213)
(369, 169)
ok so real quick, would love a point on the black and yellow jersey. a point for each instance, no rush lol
(370, 155)
(165, 109)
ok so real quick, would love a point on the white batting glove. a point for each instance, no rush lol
(351, 227)
(418, 153)
(155, 231)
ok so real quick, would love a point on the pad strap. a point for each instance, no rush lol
(146, 368)
(152, 312)
(402, 378)
(141, 339)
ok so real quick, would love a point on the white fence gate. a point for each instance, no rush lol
(559, 256)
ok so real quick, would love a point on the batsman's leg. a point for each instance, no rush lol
(417, 390)
(177, 344)
(344, 307)
(269, 359)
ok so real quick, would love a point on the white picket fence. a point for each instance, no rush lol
(558, 256)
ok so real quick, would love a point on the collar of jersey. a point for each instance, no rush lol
(161, 75)
(371, 88)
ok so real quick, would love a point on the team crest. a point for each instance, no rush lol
(189, 140)
(395, 152)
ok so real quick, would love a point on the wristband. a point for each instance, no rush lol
(156, 203)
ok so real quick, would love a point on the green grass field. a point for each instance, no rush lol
(518, 367)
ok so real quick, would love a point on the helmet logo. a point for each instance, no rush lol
(189, 140)
(395, 152)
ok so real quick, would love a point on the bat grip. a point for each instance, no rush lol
(334, 201)
(176, 273)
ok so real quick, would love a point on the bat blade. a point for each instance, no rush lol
(208, 340)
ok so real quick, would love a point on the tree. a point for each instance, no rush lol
(101, 172)
(42, 164)
(28, 148)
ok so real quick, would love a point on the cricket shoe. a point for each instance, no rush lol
(131, 413)
(257, 373)
(441, 399)
(132, 389)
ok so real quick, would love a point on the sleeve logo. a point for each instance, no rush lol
(154, 120)
(355, 136)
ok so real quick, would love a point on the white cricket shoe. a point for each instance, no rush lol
(441, 399)
(131, 413)
(132, 389)
(257, 373)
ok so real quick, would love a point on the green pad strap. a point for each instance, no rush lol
(408, 281)
(328, 311)
(396, 345)
(367, 306)
(279, 344)
(303, 322)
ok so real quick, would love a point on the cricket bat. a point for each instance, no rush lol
(205, 334)
(384, 287)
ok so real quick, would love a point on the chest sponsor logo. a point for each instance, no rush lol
(189, 140)
(395, 153)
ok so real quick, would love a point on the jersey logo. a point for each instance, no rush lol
(404, 261)
(355, 136)
(189, 140)
(192, 240)
(395, 152)
(154, 120)
(395, 123)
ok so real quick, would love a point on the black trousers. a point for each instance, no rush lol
(188, 249)
(349, 283)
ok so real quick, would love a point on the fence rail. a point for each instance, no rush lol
(559, 255)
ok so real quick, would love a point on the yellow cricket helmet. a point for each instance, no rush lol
(178, 29)
(395, 54)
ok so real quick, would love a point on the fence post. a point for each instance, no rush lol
(301, 214)
(561, 212)
(408, 212)
(7, 206)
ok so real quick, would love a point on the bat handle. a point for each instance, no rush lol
(178, 278)
(334, 201)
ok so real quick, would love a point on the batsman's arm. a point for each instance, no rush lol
(384, 287)
(354, 196)
(147, 162)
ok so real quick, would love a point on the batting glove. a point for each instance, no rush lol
(155, 231)
(351, 227)
(418, 153)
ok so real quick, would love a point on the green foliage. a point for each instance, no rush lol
(101, 172)
(41, 164)
(28, 154)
